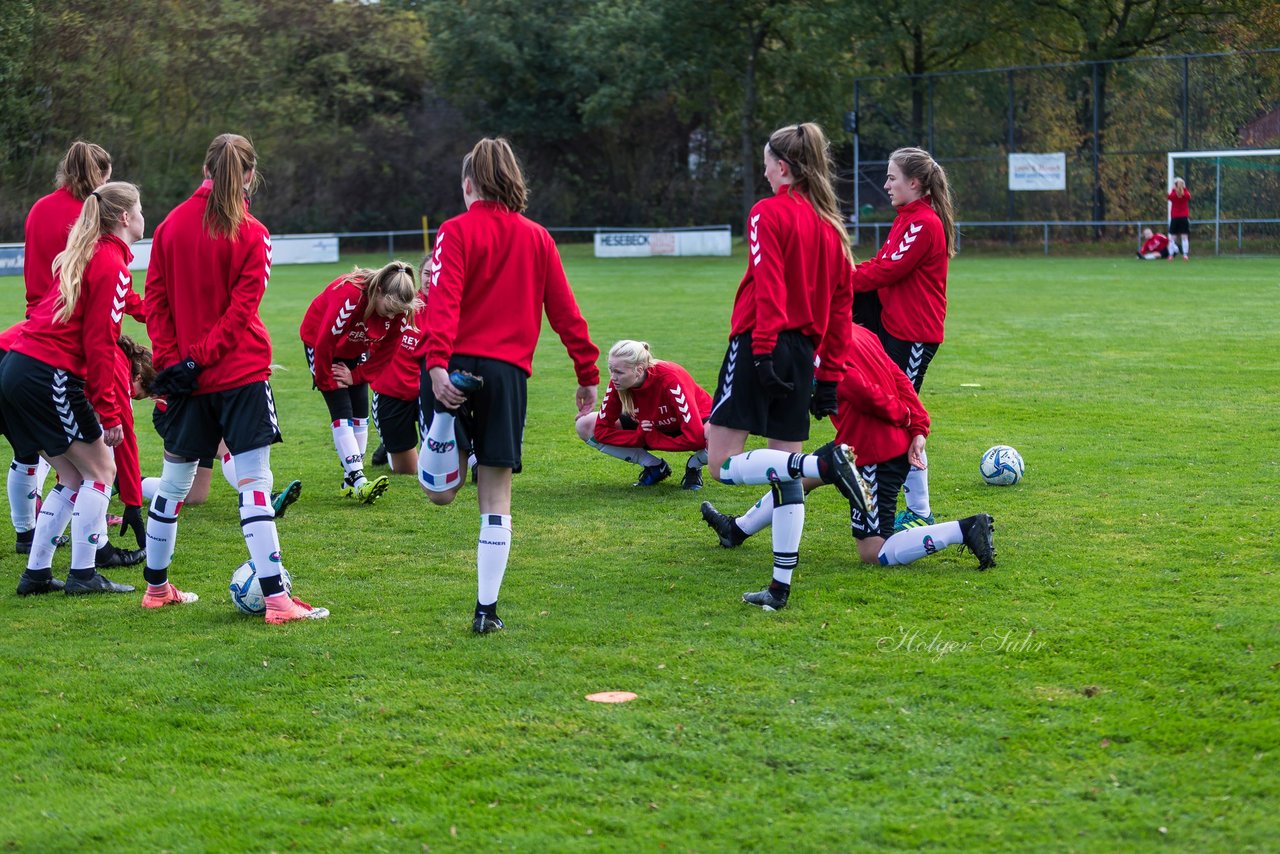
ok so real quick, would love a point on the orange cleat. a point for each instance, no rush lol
(282, 609)
(170, 595)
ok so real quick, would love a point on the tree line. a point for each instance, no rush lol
(625, 112)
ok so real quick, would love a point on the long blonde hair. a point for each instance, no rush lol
(637, 355)
(805, 149)
(397, 286)
(1180, 187)
(919, 164)
(100, 215)
(230, 157)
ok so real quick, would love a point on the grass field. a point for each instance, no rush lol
(1113, 685)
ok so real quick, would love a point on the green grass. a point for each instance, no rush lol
(1112, 685)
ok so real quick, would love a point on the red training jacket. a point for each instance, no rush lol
(670, 408)
(203, 294)
(335, 327)
(1181, 205)
(910, 272)
(86, 344)
(393, 369)
(1157, 243)
(493, 273)
(45, 234)
(128, 464)
(797, 279)
(880, 411)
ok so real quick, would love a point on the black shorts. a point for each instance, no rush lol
(397, 422)
(343, 403)
(244, 417)
(1179, 225)
(912, 356)
(885, 480)
(491, 422)
(4, 429)
(741, 403)
(53, 407)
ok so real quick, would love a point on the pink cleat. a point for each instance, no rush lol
(282, 609)
(168, 595)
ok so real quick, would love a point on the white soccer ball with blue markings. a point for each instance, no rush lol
(246, 592)
(1001, 466)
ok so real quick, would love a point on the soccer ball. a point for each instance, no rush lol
(246, 593)
(1001, 466)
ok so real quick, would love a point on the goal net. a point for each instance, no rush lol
(1235, 198)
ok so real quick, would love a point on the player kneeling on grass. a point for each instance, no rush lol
(354, 313)
(649, 406)
(879, 414)
(1156, 246)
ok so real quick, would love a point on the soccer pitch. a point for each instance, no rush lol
(1111, 685)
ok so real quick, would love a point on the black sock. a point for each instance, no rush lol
(84, 574)
(487, 610)
(776, 586)
(27, 537)
(38, 574)
(271, 585)
(156, 577)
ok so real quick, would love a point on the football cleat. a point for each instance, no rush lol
(910, 519)
(466, 382)
(111, 556)
(29, 586)
(485, 623)
(768, 599)
(287, 609)
(97, 583)
(371, 490)
(692, 479)
(981, 540)
(170, 595)
(281, 500)
(653, 475)
(61, 541)
(731, 536)
(24, 540)
(379, 457)
(837, 467)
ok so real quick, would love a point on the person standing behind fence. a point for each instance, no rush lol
(210, 263)
(493, 274)
(1180, 216)
(910, 274)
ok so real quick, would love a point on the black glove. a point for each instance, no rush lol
(132, 518)
(774, 386)
(823, 402)
(626, 422)
(177, 380)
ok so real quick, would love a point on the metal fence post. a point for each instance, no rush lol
(1046, 238)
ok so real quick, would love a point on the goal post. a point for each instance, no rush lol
(1232, 157)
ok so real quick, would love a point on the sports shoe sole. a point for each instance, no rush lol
(285, 499)
(374, 490)
(715, 521)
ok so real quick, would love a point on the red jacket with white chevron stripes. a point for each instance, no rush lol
(45, 234)
(670, 409)
(797, 279)
(879, 411)
(202, 296)
(493, 273)
(910, 272)
(86, 344)
(393, 368)
(335, 327)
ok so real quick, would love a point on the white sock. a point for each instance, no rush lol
(162, 518)
(360, 426)
(22, 495)
(42, 471)
(349, 455)
(758, 517)
(89, 522)
(258, 524)
(55, 513)
(916, 490)
(763, 466)
(788, 525)
(1186, 244)
(438, 462)
(149, 487)
(229, 469)
(492, 550)
(914, 543)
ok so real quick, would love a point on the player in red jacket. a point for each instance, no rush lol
(1156, 246)
(83, 169)
(793, 303)
(1180, 216)
(649, 406)
(910, 275)
(349, 317)
(210, 262)
(493, 274)
(60, 375)
(881, 416)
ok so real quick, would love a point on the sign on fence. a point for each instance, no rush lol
(642, 244)
(1038, 171)
(285, 249)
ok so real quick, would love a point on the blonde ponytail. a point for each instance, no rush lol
(101, 213)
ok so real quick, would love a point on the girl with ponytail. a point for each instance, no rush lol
(210, 261)
(61, 375)
(909, 274)
(793, 303)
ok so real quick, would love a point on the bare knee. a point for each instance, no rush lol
(586, 426)
(869, 549)
(440, 499)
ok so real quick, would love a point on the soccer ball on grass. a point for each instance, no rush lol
(1001, 466)
(246, 592)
